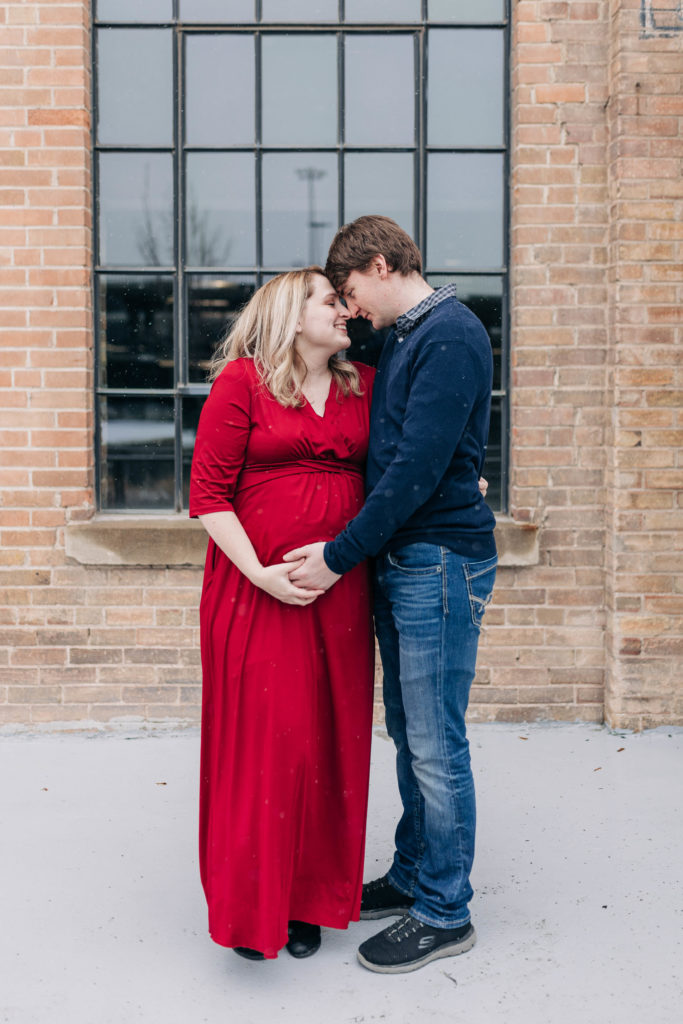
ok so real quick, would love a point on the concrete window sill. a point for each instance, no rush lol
(168, 540)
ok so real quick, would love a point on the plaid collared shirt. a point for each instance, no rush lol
(407, 322)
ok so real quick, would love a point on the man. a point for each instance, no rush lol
(426, 523)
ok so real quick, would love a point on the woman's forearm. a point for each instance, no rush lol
(227, 532)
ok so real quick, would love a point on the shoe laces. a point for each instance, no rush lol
(404, 927)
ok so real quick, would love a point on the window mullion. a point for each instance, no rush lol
(180, 320)
(420, 215)
(258, 96)
(341, 122)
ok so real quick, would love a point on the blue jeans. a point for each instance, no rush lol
(429, 603)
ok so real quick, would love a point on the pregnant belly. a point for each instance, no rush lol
(281, 513)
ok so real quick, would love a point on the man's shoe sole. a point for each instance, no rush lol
(375, 915)
(453, 949)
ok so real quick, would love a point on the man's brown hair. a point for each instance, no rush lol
(355, 245)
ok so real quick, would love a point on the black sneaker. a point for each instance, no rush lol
(409, 944)
(381, 899)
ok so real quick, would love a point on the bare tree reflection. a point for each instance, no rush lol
(206, 243)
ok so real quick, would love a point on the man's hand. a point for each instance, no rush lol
(483, 486)
(274, 579)
(314, 573)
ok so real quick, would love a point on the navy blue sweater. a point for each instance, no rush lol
(428, 431)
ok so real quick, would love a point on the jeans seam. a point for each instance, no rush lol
(418, 831)
(444, 581)
(421, 840)
(452, 788)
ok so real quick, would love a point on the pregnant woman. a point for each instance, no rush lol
(287, 673)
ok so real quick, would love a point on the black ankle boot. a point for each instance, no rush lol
(248, 954)
(304, 939)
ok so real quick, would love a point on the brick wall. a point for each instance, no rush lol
(78, 642)
(543, 652)
(46, 380)
(596, 300)
(644, 558)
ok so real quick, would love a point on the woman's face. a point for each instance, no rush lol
(322, 328)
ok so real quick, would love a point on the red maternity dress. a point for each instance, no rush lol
(287, 690)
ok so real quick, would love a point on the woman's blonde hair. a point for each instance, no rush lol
(265, 331)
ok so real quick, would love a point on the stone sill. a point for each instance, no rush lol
(142, 540)
(175, 540)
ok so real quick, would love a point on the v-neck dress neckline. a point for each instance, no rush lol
(318, 415)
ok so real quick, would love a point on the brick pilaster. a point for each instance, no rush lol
(645, 472)
(543, 648)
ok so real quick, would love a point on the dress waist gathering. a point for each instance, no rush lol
(259, 473)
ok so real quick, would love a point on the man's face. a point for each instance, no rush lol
(366, 295)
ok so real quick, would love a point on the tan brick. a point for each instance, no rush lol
(97, 694)
(596, 268)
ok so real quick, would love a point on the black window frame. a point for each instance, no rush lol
(421, 149)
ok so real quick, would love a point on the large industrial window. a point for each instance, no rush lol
(232, 138)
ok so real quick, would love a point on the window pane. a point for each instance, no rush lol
(366, 343)
(135, 331)
(219, 92)
(299, 207)
(225, 11)
(192, 407)
(467, 10)
(465, 210)
(380, 116)
(137, 438)
(311, 11)
(380, 183)
(493, 464)
(136, 107)
(299, 90)
(133, 10)
(484, 296)
(136, 209)
(465, 63)
(383, 10)
(220, 217)
(212, 304)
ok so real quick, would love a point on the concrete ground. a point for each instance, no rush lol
(578, 879)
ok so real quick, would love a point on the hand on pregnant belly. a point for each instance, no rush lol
(308, 567)
(274, 579)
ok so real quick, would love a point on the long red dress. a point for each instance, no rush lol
(287, 690)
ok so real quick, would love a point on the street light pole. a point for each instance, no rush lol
(310, 175)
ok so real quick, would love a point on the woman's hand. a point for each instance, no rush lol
(483, 486)
(274, 579)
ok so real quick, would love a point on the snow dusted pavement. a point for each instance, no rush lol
(578, 890)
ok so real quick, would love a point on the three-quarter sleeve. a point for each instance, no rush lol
(221, 442)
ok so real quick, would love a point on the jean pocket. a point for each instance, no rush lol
(416, 559)
(480, 577)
